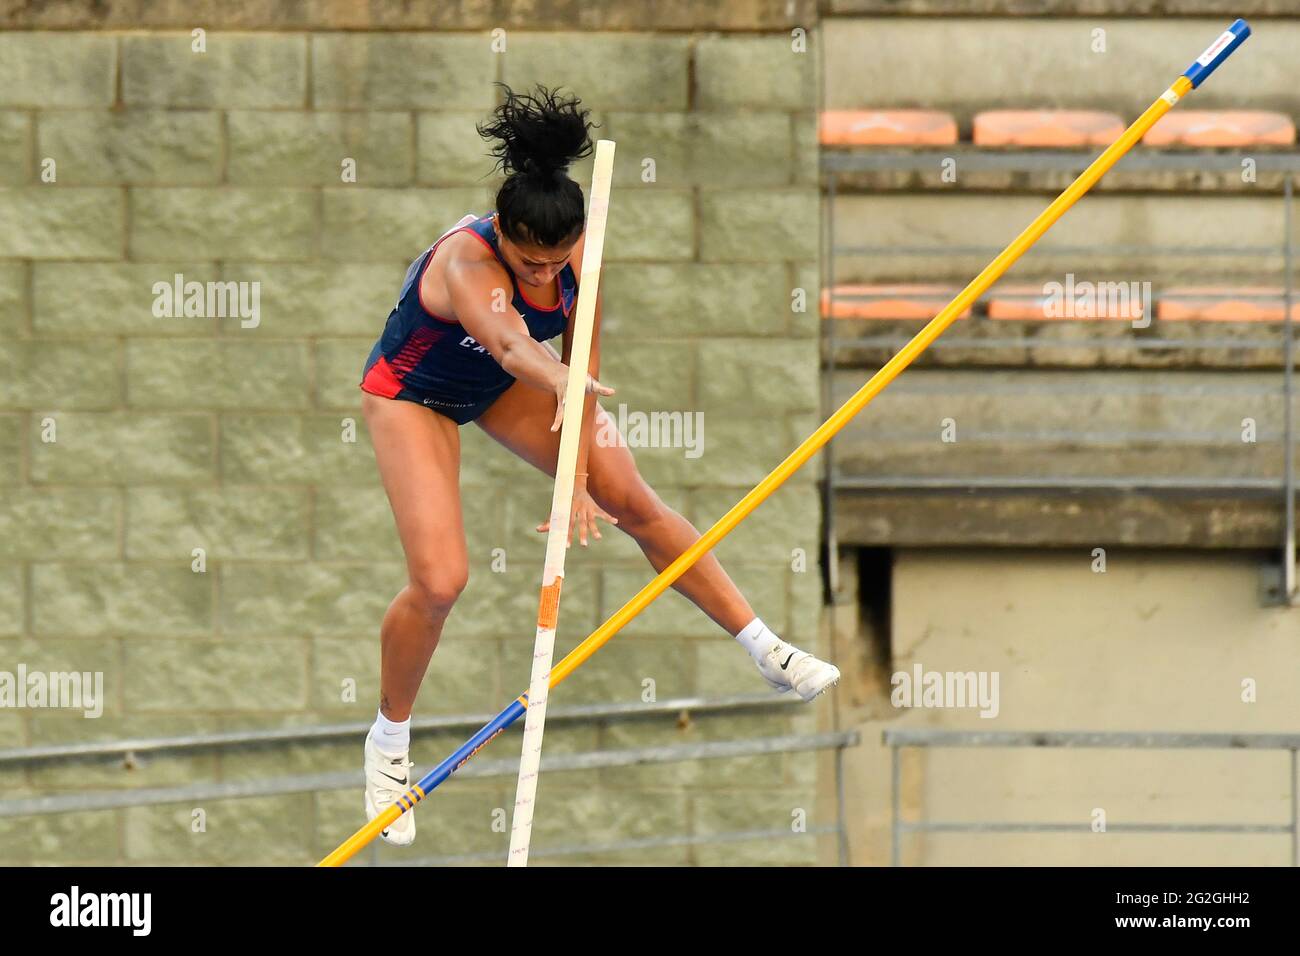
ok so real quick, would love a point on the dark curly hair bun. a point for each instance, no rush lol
(536, 137)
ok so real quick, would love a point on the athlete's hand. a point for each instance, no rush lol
(582, 516)
(562, 385)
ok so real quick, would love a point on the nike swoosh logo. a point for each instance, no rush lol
(400, 780)
(783, 667)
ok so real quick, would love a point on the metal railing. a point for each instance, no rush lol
(903, 738)
(132, 751)
(839, 163)
(132, 748)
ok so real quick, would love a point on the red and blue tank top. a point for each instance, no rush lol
(421, 354)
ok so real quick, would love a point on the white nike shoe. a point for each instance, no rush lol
(786, 668)
(387, 778)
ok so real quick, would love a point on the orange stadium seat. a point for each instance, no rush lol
(887, 128)
(1026, 302)
(1221, 128)
(1058, 128)
(1225, 304)
(870, 301)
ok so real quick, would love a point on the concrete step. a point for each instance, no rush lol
(966, 168)
(1102, 424)
(1059, 8)
(1113, 238)
(866, 344)
(1084, 520)
(965, 64)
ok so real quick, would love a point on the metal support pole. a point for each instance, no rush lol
(841, 825)
(1295, 815)
(897, 823)
(1288, 393)
(828, 494)
(828, 485)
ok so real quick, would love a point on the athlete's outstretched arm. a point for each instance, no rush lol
(475, 287)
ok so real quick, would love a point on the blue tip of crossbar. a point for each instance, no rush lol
(1217, 52)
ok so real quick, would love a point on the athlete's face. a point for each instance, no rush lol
(533, 265)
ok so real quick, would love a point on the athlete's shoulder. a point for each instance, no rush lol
(469, 253)
(469, 263)
(469, 244)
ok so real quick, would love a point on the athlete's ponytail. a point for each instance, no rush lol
(537, 136)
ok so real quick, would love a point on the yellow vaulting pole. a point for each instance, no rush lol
(1203, 66)
(1218, 51)
(874, 386)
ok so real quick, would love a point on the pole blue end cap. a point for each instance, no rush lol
(1217, 52)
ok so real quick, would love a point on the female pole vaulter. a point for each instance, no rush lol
(466, 342)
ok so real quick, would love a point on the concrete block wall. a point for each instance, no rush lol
(128, 440)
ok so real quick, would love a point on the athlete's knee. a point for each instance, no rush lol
(639, 507)
(436, 586)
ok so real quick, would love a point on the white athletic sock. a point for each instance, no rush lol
(391, 737)
(757, 638)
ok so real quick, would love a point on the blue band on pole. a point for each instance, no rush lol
(1217, 52)
(472, 746)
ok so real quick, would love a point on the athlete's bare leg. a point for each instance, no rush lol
(418, 452)
(521, 421)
